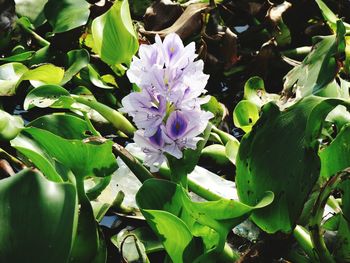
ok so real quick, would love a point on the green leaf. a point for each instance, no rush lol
(31, 206)
(254, 90)
(84, 159)
(10, 74)
(245, 115)
(38, 157)
(48, 96)
(76, 60)
(10, 126)
(31, 9)
(64, 125)
(65, 15)
(336, 156)
(280, 152)
(215, 107)
(96, 79)
(216, 153)
(19, 57)
(329, 16)
(113, 34)
(190, 231)
(45, 74)
(231, 150)
(319, 68)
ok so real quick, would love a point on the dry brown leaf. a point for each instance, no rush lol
(161, 14)
(189, 23)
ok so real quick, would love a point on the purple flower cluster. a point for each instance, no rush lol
(167, 110)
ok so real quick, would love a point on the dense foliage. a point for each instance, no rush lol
(175, 131)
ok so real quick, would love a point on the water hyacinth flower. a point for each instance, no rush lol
(167, 109)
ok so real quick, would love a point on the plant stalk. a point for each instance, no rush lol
(304, 240)
(317, 215)
(114, 117)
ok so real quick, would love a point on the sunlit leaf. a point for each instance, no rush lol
(44, 74)
(65, 15)
(245, 115)
(318, 69)
(34, 10)
(329, 16)
(10, 126)
(10, 74)
(84, 159)
(216, 153)
(48, 96)
(231, 150)
(113, 34)
(64, 125)
(96, 79)
(76, 60)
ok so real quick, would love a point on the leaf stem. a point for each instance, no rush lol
(298, 52)
(317, 215)
(228, 254)
(41, 41)
(12, 160)
(113, 116)
(303, 238)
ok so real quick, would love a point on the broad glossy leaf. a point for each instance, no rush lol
(254, 91)
(64, 15)
(96, 79)
(76, 60)
(10, 74)
(58, 97)
(280, 152)
(44, 74)
(187, 229)
(245, 115)
(10, 126)
(336, 156)
(318, 69)
(231, 150)
(48, 96)
(38, 219)
(64, 125)
(113, 34)
(84, 159)
(34, 10)
(38, 157)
